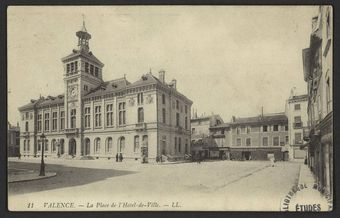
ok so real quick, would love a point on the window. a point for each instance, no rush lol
(54, 121)
(248, 142)
(238, 142)
(140, 115)
(297, 107)
(39, 145)
(276, 128)
(193, 131)
(186, 109)
(109, 115)
(62, 120)
(24, 145)
(97, 145)
(177, 104)
(265, 128)
(91, 69)
(46, 145)
(145, 141)
(265, 141)
(76, 66)
(73, 118)
(175, 144)
(109, 145)
(163, 99)
(27, 115)
(164, 115)
(53, 145)
(238, 130)
(28, 145)
(39, 122)
(68, 68)
(276, 141)
(186, 122)
(72, 67)
(31, 116)
(179, 144)
(121, 145)
(47, 121)
(87, 116)
(136, 144)
(26, 126)
(98, 116)
(86, 88)
(177, 119)
(23, 117)
(248, 129)
(96, 71)
(140, 98)
(297, 122)
(86, 67)
(298, 138)
(121, 108)
(286, 127)
(287, 139)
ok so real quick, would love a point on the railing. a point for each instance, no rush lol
(140, 126)
(72, 131)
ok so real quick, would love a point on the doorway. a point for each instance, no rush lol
(72, 147)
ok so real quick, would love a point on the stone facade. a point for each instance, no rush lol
(296, 111)
(253, 138)
(318, 73)
(99, 119)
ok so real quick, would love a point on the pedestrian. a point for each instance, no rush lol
(272, 160)
(19, 156)
(117, 157)
(120, 157)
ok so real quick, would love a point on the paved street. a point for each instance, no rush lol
(227, 185)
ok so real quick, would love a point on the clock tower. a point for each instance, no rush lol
(82, 72)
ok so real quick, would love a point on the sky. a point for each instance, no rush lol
(229, 60)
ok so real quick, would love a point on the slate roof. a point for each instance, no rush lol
(49, 100)
(266, 118)
(109, 87)
(222, 125)
(83, 53)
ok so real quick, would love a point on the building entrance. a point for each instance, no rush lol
(72, 147)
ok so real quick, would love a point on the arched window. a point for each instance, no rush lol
(46, 145)
(109, 145)
(39, 145)
(97, 145)
(121, 145)
(136, 144)
(26, 126)
(53, 145)
(140, 115)
(24, 145)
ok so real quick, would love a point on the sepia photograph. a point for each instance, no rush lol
(170, 108)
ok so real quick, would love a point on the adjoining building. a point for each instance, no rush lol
(201, 140)
(100, 119)
(253, 138)
(296, 111)
(13, 140)
(318, 73)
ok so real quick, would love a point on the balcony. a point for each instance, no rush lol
(297, 125)
(71, 131)
(140, 126)
(25, 134)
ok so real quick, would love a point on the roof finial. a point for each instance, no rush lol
(83, 28)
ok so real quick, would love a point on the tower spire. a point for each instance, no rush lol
(83, 37)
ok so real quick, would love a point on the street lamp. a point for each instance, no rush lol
(42, 164)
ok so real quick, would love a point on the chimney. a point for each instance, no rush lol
(173, 83)
(161, 76)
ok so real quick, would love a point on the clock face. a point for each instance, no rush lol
(73, 92)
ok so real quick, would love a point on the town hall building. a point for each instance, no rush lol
(100, 119)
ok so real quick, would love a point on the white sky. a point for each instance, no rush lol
(229, 60)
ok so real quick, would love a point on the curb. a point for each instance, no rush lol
(36, 178)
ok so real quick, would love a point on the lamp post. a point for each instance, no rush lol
(42, 164)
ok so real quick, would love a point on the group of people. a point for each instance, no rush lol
(119, 157)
